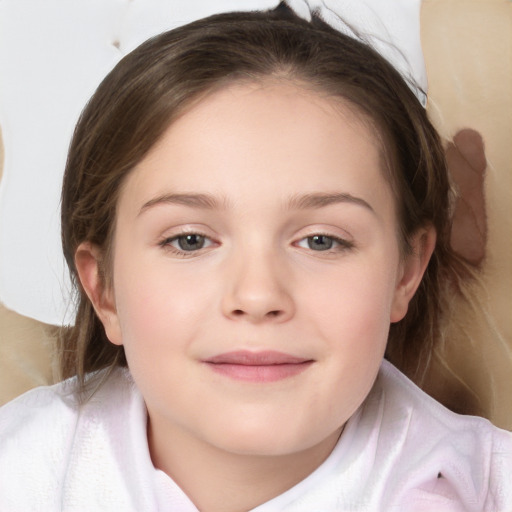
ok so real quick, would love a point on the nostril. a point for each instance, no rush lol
(271, 314)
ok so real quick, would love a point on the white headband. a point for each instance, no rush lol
(53, 56)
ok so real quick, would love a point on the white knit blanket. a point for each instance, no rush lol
(400, 452)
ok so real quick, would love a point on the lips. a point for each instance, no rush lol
(266, 366)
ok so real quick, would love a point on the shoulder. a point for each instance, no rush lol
(440, 455)
(35, 427)
(43, 431)
(402, 398)
(58, 406)
(25, 418)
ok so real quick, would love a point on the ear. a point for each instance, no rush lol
(412, 270)
(88, 260)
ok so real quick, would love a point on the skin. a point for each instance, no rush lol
(256, 153)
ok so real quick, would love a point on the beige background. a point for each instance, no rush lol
(468, 50)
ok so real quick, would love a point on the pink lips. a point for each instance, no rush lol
(267, 366)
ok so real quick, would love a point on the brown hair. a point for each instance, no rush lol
(154, 84)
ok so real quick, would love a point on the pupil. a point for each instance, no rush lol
(320, 242)
(191, 242)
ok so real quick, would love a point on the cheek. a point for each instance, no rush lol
(158, 308)
(355, 299)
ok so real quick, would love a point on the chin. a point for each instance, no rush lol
(267, 440)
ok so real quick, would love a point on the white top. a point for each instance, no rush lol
(401, 451)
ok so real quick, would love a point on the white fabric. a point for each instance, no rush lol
(53, 54)
(57, 456)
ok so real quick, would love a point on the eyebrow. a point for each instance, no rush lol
(299, 202)
(321, 200)
(203, 201)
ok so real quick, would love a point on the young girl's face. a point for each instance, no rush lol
(256, 270)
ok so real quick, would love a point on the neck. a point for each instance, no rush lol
(220, 481)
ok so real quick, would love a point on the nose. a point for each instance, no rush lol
(258, 290)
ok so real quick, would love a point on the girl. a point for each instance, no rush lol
(255, 211)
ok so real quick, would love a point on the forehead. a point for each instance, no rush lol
(249, 134)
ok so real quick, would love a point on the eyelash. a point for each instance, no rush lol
(341, 245)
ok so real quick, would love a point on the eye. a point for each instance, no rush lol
(320, 242)
(192, 242)
(324, 243)
(187, 243)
